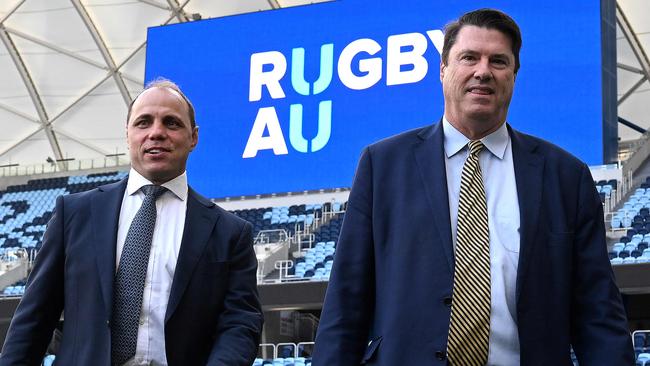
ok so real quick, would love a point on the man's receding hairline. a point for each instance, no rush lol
(170, 89)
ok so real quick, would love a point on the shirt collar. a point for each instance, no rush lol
(178, 185)
(455, 141)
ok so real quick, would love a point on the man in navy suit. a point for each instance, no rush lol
(199, 303)
(551, 287)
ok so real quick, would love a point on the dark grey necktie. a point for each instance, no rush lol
(130, 277)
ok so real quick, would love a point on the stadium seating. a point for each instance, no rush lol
(635, 212)
(605, 188)
(641, 347)
(25, 209)
(317, 262)
(631, 248)
(288, 218)
(641, 341)
(634, 217)
(289, 361)
(17, 289)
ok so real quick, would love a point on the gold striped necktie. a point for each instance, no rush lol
(469, 328)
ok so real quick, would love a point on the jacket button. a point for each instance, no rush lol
(447, 301)
(440, 355)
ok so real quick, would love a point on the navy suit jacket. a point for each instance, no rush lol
(213, 316)
(389, 298)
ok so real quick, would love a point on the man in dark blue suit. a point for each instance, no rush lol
(534, 225)
(196, 301)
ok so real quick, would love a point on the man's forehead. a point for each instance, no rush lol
(158, 92)
(158, 95)
(474, 38)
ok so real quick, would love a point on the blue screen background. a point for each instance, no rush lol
(557, 91)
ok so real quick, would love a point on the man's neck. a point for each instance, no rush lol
(474, 130)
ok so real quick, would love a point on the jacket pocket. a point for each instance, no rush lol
(373, 345)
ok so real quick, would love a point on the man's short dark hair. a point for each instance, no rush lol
(484, 18)
(165, 83)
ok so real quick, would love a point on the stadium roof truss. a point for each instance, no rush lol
(633, 45)
(70, 68)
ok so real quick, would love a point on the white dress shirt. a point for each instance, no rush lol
(503, 222)
(171, 208)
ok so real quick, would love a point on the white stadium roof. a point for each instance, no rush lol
(632, 56)
(68, 69)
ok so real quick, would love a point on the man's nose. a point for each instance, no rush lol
(483, 71)
(157, 130)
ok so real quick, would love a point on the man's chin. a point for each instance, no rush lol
(159, 175)
(482, 114)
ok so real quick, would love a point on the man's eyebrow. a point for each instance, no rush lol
(142, 116)
(474, 52)
(468, 50)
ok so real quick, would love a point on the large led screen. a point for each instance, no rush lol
(287, 99)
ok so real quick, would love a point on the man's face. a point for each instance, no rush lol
(478, 80)
(160, 135)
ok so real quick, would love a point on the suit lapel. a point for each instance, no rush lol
(429, 155)
(105, 212)
(529, 168)
(200, 220)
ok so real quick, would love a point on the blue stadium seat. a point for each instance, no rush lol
(629, 260)
(48, 360)
(646, 253)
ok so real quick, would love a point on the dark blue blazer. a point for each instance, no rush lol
(213, 316)
(389, 297)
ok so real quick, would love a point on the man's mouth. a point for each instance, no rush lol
(481, 90)
(156, 150)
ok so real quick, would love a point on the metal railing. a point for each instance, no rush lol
(271, 236)
(270, 246)
(13, 170)
(303, 239)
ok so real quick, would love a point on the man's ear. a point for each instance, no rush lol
(195, 136)
(442, 70)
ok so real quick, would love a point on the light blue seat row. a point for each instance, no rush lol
(80, 179)
(629, 260)
(289, 361)
(14, 291)
(283, 219)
